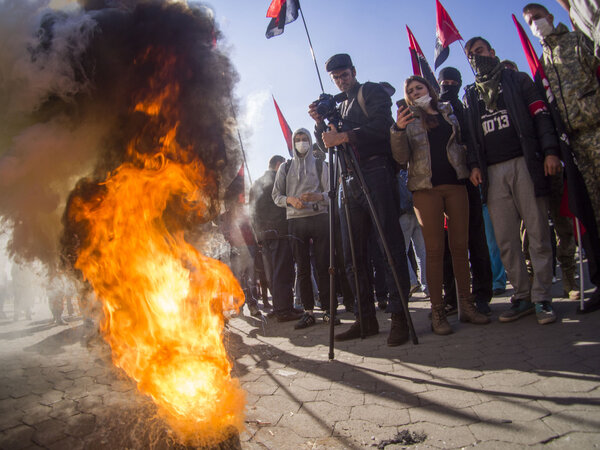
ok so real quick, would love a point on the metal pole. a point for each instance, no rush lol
(240, 139)
(332, 212)
(581, 302)
(465, 53)
(312, 51)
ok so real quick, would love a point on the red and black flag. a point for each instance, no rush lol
(285, 128)
(575, 189)
(445, 34)
(419, 62)
(281, 12)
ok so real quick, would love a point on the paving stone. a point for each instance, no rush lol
(89, 403)
(442, 437)
(36, 414)
(16, 438)
(567, 421)
(500, 411)
(260, 388)
(381, 415)
(279, 403)
(522, 433)
(48, 432)
(450, 417)
(297, 393)
(70, 443)
(306, 425)
(362, 433)
(576, 440)
(280, 438)
(341, 398)
(64, 409)
(456, 398)
(312, 383)
(52, 397)
(553, 385)
(80, 425)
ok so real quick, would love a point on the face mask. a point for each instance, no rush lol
(302, 147)
(422, 102)
(541, 28)
(449, 91)
(483, 65)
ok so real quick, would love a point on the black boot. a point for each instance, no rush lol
(371, 329)
(398, 331)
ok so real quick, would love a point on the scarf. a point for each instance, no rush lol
(489, 71)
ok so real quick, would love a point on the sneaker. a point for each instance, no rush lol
(371, 329)
(544, 313)
(327, 319)
(483, 307)
(414, 289)
(305, 321)
(519, 308)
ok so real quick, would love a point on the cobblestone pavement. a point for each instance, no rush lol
(497, 386)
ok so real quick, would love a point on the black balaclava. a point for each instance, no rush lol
(449, 92)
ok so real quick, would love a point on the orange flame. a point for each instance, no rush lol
(163, 300)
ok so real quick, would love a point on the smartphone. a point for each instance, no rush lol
(402, 103)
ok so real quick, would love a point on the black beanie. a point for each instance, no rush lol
(450, 73)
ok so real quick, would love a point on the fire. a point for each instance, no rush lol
(163, 300)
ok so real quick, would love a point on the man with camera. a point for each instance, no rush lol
(365, 110)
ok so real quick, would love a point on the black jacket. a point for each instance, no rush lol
(369, 135)
(268, 219)
(528, 112)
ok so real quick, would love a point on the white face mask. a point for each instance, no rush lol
(302, 147)
(423, 102)
(541, 28)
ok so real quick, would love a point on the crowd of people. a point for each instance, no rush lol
(467, 194)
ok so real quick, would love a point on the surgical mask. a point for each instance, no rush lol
(302, 147)
(423, 102)
(541, 28)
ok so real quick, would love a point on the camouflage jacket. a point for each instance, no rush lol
(570, 66)
(412, 146)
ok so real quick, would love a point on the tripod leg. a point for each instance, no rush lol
(353, 255)
(384, 242)
(332, 212)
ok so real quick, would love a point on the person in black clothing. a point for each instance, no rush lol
(450, 82)
(513, 150)
(271, 230)
(366, 111)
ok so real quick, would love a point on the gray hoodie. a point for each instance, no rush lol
(301, 178)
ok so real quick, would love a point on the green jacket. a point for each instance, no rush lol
(570, 66)
(412, 146)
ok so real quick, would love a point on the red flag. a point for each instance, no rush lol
(285, 128)
(445, 34)
(419, 62)
(281, 12)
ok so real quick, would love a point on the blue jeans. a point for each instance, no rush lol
(384, 193)
(412, 232)
(498, 272)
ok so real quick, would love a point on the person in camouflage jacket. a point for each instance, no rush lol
(572, 70)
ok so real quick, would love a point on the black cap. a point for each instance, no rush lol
(450, 73)
(339, 61)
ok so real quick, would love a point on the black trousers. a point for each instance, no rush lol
(384, 193)
(479, 255)
(302, 231)
(279, 265)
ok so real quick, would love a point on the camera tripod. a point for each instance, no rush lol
(345, 159)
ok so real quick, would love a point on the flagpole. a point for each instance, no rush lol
(467, 56)
(312, 51)
(240, 139)
(581, 302)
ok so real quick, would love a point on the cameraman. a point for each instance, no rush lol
(366, 111)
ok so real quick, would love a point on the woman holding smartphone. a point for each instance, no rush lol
(427, 136)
